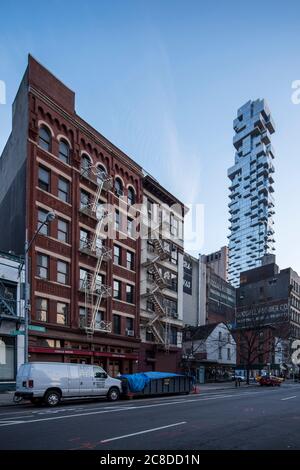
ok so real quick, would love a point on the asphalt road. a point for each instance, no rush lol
(244, 418)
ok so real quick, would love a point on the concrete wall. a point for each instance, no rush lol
(13, 176)
(191, 300)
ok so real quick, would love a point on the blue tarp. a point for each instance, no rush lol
(137, 382)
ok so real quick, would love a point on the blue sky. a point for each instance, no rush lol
(163, 80)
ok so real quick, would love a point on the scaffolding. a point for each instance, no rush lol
(94, 289)
(159, 324)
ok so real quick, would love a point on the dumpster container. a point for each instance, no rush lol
(155, 383)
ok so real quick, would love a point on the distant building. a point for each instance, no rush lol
(161, 312)
(251, 205)
(212, 348)
(207, 297)
(218, 262)
(11, 319)
(268, 300)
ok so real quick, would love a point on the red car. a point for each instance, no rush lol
(270, 380)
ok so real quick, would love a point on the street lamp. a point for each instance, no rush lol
(49, 218)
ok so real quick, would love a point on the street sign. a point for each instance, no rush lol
(17, 332)
(37, 328)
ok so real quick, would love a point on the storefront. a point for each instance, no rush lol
(113, 363)
(8, 360)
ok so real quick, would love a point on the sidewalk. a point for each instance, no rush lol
(6, 399)
(223, 386)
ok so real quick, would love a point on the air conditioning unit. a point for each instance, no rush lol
(130, 332)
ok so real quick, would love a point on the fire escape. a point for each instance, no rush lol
(159, 324)
(95, 291)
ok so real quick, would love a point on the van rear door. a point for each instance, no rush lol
(22, 378)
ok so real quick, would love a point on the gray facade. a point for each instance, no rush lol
(271, 293)
(251, 203)
(13, 176)
(218, 261)
(191, 301)
(207, 297)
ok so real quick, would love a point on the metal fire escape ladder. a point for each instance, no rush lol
(159, 323)
(95, 290)
(7, 306)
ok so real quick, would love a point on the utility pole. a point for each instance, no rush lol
(49, 218)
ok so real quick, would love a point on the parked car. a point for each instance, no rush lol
(270, 380)
(242, 378)
(49, 382)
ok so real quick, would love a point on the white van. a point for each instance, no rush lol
(49, 382)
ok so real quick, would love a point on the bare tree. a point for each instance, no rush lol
(259, 334)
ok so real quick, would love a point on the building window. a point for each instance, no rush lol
(62, 230)
(101, 174)
(98, 320)
(149, 336)
(63, 190)
(84, 199)
(44, 179)
(62, 272)
(174, 225)
(42, 267)
(117, 324)
(45, 138)
(83, 273)
(41, 309)
(117, 290)
(61, 313)
(118, 187)
(117, 254)
(220, 353)
(150, 306)
(171, 307)
(173, 336)
(129, 227)
(64, 151)
(129, 293)
(131, 196)
(42, 215)
(84, 238)
(117, 220)
(228, 354)
(82, 317)
(129, 324)
(130, 260)
(174, 255)
(220, 335)
(85, 165)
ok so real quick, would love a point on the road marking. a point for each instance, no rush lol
(127, 408)
(288, 398)
(142, 432)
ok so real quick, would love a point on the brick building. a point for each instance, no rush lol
(84, 285)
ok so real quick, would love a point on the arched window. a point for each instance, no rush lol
(85, 164)
(64, 151)
(45, 138)
(118, 187)
(101, 173)
(131, 196)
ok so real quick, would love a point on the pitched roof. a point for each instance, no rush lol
(202, 332)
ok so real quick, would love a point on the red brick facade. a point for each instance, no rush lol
(51, 104)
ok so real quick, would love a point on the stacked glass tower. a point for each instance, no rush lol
(251, 205)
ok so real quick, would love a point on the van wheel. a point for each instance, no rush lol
(52, 398)
(113, 394)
